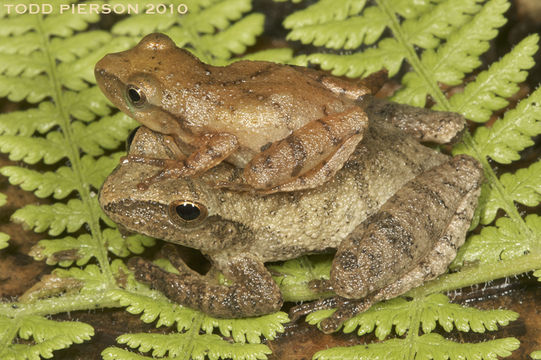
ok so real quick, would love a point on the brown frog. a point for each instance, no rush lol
(288, 127)
(396, 212)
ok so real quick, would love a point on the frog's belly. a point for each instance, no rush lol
(319, 219)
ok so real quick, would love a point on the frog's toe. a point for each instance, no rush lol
(346, 310)
(296, 312)
(141, 269)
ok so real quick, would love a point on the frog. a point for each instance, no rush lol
(393, 216)
(282, 124)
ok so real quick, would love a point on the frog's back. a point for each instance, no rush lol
(263, 102)
(310, 221)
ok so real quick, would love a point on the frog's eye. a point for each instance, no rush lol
(136, 96)
(187, 212)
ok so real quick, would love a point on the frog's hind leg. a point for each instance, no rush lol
(252, 293)
(323, 172)
(424, 124)
(306, 149)
(412, 239)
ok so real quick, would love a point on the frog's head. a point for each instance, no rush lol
(139, 81)
(183, 211)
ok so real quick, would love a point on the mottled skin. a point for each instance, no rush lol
(396, 213)
(288, 127)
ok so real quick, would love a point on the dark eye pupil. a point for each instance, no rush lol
(134, 95)
(188, 212)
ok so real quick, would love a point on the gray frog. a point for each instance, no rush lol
(396, 213)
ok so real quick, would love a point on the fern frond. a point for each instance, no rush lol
(154, 306)
(490, 88)
(434, 308)
(347, 34)
(324, 11)
(210, 29)
(520, 187)
(48, 336)
(12, 65)
(63, 181)
(25, 123)
(387, 55)
(84, 105)
(78, 45)
(503, 241)
(248, 330)
(437, 22)
(124, 246)
(65, 251)
(29, 89)
(219, 15)
(22, 44)
(198, 347)
(91, 277)
(513, 133)
(235, 38)
(450, 62)
(429, 346)
(50, 149)
(57, 218)
(106, 134)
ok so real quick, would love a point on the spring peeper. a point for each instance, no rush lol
(396, 212)
(288, 127)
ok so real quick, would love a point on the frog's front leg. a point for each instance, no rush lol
(440, 127)
(412, 239)
(253, 292)
(308, 148)
(213, 149)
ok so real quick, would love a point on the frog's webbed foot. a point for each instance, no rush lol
(310, 155)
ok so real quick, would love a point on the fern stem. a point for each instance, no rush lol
(414, 325)
(413, 59)
(60, 304)
(472, 275)
(74, 155)
(191, 336)
(491, 177)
